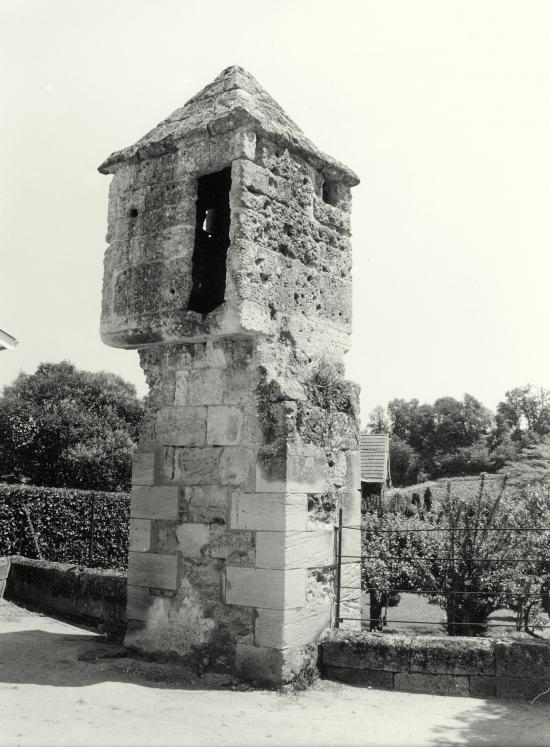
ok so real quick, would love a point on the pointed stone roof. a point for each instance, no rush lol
(233, 99)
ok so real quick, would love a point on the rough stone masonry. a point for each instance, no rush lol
(228, 269)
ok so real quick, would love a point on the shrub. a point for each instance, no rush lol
(61, 519)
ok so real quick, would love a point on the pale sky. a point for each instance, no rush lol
(441, 107)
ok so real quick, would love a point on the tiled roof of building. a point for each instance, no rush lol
(234, 99)
(375, 448)
(7, 342)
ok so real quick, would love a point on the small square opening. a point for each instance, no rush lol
(211, 242)
(330, 193)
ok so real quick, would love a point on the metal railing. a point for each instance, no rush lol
(451, 597)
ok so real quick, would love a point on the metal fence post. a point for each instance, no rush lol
(91, 532)
(338, 567)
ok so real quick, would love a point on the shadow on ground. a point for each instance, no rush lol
(499, 723)
(39, 657)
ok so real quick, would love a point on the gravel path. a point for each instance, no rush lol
(62, 685)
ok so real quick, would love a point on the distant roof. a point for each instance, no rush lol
(375, 449)
(7, 342)
(233, 99)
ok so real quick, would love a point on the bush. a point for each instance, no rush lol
(61, 519)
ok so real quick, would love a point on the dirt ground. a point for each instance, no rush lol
(62, 685)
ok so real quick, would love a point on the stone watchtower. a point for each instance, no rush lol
(228, 269)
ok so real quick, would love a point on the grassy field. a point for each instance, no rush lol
(413, 608)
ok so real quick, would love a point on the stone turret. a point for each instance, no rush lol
(228, 268)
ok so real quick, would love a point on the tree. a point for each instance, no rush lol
(440, 432)
(386, 537)
(63, 427)
(378, 421)
(404, 462)
(481, 548)
(459, 424)
(466, 460)
(526, 409)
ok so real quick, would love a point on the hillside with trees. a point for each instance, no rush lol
(462, 437)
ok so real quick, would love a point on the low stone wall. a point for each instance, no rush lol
(89, 595)
(439, 665)
(4, 571)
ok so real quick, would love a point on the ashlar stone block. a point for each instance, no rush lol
(256, 587)
(160, 502)
(206, 386)
(303, 471)
(288, 628)
(224, 426)
(139, 535)
(143, 468)
(181, 426)
(207, 503)
(153, 571)
(138, 602)
(295, 549)
(269, 511)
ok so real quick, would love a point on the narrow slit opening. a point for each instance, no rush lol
(211, 242)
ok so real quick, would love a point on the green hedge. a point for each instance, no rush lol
(61, 518)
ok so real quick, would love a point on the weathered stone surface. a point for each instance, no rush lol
(192, 466)
(237, 439)
(367, 651)
(263, 664)
(235, 466)
(300, 472)
(92, 595)
(4, 568)
(181, 388)
(368, 677)
(256, 587)
(235, 548)
(447, 655)
(483, 687)
(522, 688)
(192, 539)
(207, 503)
(437, 684)
(225, 426)
(289, 628)
(138, 601)
(143, 468)
(206, 387)
(139, 535)
(154, 502)
(516, 658)
(181, 426)
(265, 511)
(155, 571)
(294, 549)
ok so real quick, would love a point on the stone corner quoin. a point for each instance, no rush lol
(228, 269)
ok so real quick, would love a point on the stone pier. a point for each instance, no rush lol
(228, 269)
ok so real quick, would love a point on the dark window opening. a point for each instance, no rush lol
(211, 242)
(330, 193)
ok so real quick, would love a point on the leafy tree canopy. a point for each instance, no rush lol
(62, 427)
(454, 437)
(526, 409)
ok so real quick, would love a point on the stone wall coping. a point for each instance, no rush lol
(505, 668)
